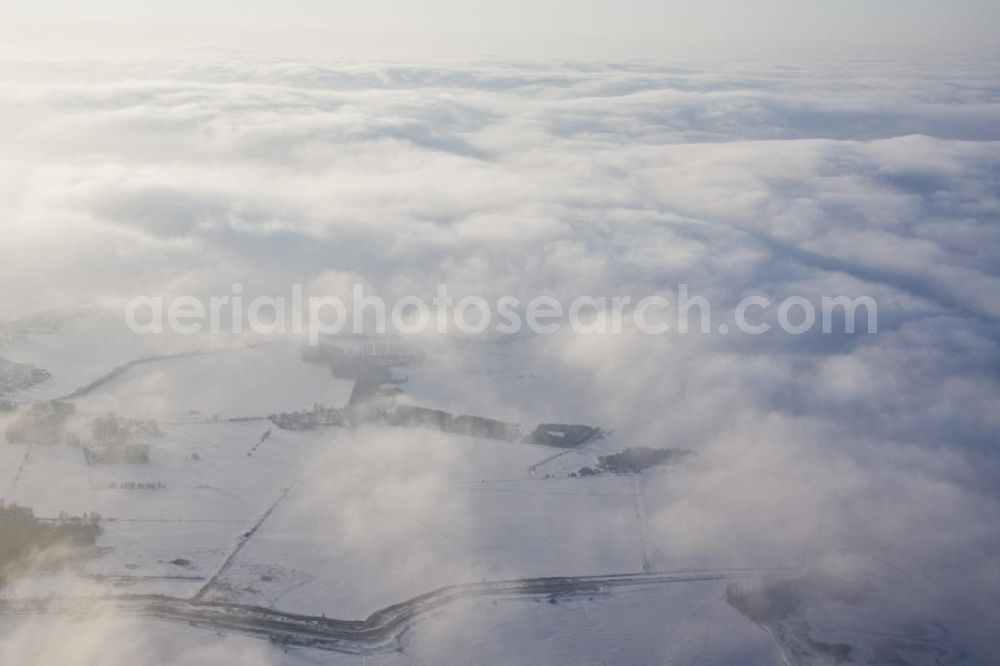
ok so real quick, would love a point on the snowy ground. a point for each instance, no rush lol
(384, 516)
(258, 381)
(342, 522)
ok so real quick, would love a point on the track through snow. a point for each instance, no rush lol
(244, 539)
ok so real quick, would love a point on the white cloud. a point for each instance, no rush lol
(169, 176)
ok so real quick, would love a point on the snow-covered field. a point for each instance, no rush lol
(388, 514)
(258, 381)
(85, 345)
(341, 522)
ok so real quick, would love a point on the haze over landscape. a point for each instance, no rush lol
(666, 484)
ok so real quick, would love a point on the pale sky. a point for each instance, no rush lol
(517, 28)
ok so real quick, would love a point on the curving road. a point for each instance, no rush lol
(380, 630)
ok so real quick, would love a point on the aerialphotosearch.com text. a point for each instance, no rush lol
(317, 316)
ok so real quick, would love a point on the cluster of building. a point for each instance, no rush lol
(463, 424)
(18, 376)
(633, 460)
(309, 419)
(137, 485)
(387, 412)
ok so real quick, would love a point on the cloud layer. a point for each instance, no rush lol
(857, 178)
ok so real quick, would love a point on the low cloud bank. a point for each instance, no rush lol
(183, 177)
